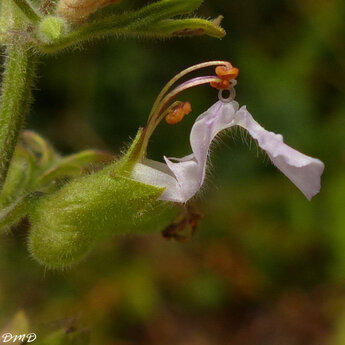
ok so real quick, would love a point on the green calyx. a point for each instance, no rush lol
(68, 219)
(66, 224)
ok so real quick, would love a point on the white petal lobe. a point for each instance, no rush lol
(304, 171)
(183, 177)
(189, 172)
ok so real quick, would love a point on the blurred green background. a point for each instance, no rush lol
(265, 266)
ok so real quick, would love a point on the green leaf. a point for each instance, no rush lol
(146, 22)
(12, 214)
(16, 183)
(163, 10)
(74, 165)
(32, 157)
(184, 27)
(39, 147)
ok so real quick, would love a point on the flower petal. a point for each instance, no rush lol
(158, 174)
(304, 171)
(189, 172)
(183, 177)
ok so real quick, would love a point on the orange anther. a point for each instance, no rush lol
(222, 84)
(187, 107)
(177, 114)
(227, 73)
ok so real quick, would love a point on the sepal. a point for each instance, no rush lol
(67, 224)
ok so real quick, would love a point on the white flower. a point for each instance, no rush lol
(183, 177)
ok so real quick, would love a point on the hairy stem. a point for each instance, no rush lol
(14, 101)
(29, 12)
(5, 15)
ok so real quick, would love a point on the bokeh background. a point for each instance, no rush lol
(265, 265)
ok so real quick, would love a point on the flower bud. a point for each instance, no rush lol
(51, 29)
(78, 10)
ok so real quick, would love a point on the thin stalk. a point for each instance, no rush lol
(5, 16)
(159, 113)
(185, 86)
(14, 102)
(181, 75)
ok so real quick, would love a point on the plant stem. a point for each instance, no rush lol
(28, 10)
(14, 101)
(4, 15)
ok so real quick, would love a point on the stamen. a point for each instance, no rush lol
(172, 94)
(226, 73)
(224, 78)
(177, 114)
(181, 75)
(223, 84)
